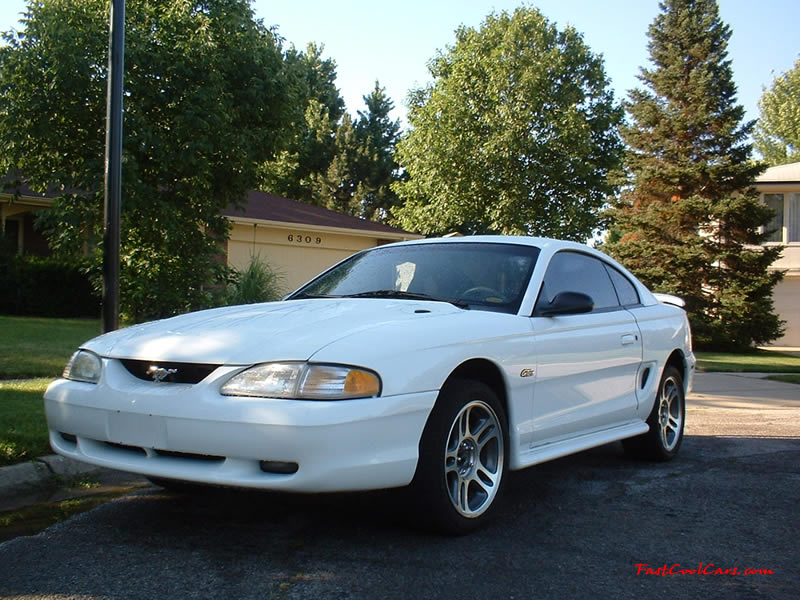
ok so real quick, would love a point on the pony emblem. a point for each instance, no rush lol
(159, 374)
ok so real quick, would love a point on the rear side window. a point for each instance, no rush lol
(576, 272)
(628, 296)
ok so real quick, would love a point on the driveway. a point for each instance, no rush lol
(587, 526)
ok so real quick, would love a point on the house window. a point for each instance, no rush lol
(775, 202)
(785, 225)
(793, 218)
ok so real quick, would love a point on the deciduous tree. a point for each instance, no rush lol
(777, 135)
(516, 134)
(205, 103)
(316, 111)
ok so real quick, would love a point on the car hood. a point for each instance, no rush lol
(243, 335)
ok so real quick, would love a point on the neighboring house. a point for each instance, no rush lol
(297, 239)
(18, 208)
(780, 190)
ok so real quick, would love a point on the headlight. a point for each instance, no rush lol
(83, 366)
(304, 381)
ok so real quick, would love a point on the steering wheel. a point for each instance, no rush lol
(483, 293)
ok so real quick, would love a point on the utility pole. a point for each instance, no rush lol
(113, 171)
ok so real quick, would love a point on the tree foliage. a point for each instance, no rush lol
(777, 135)
(359, 177)
(377, 135)
(315, 110)
(331, 160)
(205, 103)
(516, 134)
(689, 223)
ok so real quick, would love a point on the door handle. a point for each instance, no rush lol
(629, 339)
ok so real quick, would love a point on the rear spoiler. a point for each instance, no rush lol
(670, 299)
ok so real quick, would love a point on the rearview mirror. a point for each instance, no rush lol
(566, 303)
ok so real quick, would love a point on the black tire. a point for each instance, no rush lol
(666, 421)
(462, 459)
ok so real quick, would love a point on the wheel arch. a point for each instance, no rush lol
(678, 360)
(487, 372)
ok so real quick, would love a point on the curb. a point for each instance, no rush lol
(24, 478)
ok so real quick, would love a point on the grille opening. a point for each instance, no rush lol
(125, 448)
(68, 437)
(278, 467)
(174, 454)
(177, 372)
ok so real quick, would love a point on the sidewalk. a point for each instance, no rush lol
(743, 389)
(53, 478)
(793, 350)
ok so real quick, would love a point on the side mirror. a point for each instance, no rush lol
(566, 303)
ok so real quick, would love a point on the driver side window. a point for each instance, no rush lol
(575, 272)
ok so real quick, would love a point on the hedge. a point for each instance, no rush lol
(46, 287)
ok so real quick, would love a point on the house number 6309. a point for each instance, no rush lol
(299, 238)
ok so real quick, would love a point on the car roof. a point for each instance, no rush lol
(540, 242)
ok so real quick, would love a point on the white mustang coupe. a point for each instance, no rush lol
(435, 364)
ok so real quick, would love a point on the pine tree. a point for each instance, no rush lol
(689, 223)
(335, 188)
(356, 180)
(377, 135)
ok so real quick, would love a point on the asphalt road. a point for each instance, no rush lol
(580, 527)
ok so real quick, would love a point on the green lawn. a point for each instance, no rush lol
(33, 353)
(23, 432)
(760, 361)
(34, 347)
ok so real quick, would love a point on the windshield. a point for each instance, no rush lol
(484, 276)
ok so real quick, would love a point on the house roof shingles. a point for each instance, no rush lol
(260, 206)
(781, 174)
(263, 206)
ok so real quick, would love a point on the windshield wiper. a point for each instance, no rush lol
(305, 296)
(406, 296)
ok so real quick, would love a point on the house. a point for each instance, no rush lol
(18, 207)
(296, 239)
(779, 188)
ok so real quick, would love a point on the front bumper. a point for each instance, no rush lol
(192, 433)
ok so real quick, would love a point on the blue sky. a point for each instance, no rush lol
(393, 42)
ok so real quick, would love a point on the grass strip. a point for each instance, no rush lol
(761, 361)
(23, 430)
(785, 378)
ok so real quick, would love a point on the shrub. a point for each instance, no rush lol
(259, 282)
(46, 287)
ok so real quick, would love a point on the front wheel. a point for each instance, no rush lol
(666, 421)
(462, 458)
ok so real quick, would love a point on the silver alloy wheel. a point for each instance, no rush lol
(670, 413)
(474, 455)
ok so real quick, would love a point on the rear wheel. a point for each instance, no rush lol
(666, 421)
(462, 458)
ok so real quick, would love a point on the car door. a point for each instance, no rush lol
(587, 363)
